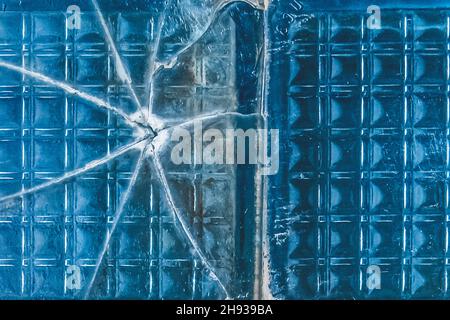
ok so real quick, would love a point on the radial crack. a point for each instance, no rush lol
(121, 70)
(117, 217)
(69, 175)
(158, 169)
(204, 29)
(152, 62)
(72, 91)
(177, 217)
(210, 116)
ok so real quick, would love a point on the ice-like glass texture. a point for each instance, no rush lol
(92, 205)
(360, 207)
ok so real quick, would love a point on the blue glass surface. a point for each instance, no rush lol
(93, 207)
(88, 91)
(359, 209)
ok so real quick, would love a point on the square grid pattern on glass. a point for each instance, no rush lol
(45, 133)
(368, 156)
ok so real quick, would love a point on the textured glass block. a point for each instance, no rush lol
(359, 208)
(91, 205)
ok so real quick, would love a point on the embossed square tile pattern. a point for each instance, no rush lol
(89, 206)
(360, 208)
(92, 206)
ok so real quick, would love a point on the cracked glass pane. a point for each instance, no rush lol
(359, 209)
(224, 149)
(91, 204)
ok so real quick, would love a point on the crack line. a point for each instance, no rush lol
(191, 121)
(214, 14)
(177, 216)
(72, 91)
(152, 70)
(156, 160)
(121, 70)
(117, 217)
(69, 175)
(209, 116)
